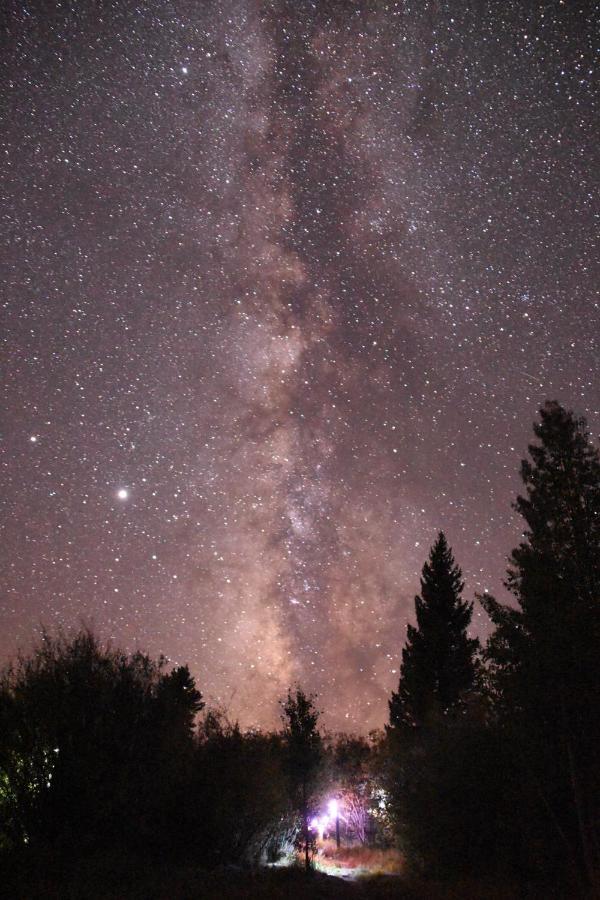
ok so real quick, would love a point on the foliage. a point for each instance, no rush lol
(351, 757)
(436, 717)
(544, 656)
(240, 810)
(438, 661)
(91, 740)
(303, 755)
(454, 795)
(354, 779)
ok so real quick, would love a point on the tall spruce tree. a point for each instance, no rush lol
(439, 659)
(545, 654)
(431, 781)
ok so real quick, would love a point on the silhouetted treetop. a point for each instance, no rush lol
(438, 660)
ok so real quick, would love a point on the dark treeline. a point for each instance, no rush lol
(489, 767)
(494, 752)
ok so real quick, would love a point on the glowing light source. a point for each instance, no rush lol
(123, 494)
(327, 821)
(320, 825)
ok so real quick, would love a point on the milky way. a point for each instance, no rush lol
(284, 286)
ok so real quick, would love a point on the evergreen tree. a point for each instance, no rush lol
(545, 654)
(304, 752)
(439, 659)
(432, 780)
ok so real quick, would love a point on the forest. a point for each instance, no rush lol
(116, 780)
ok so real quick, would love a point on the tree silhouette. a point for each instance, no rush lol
(545, 654)
(92, 742)
(432, 798)
(304, 752)
(239, 805)
(438, 660)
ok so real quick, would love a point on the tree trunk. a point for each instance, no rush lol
(305, 827)
(586, 851)
(306, 849)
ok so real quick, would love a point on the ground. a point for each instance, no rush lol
(360, 875)
(358, 861)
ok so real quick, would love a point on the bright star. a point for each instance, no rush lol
(123, 494)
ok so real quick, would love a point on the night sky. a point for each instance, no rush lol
(283, 287)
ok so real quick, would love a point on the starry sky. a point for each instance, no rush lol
(283, 286)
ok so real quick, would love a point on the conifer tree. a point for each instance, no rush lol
(545, 654)
(430, 777)
(439, 659)
(304, 752)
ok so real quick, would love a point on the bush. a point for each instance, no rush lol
(93, 745)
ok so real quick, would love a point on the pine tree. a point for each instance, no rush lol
(439, 659)
(432, 781)
(545, 654)
(304, 751)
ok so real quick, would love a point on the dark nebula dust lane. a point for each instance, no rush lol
(284, 284)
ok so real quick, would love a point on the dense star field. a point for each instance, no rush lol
(284, 284)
